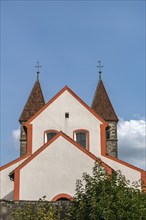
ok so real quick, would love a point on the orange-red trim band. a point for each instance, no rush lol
(62, 195)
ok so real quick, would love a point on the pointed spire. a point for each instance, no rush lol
(101, 104)
(34, 103)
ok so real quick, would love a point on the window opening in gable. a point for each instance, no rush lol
(81, 137)
(66, 114)
(50, 135)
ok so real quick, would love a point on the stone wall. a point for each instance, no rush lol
(7, 207)
(111, 141)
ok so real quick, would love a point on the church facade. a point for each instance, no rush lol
(59, 141)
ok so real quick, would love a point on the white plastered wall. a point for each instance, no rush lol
(53, 117)
(54, 171)
(130, 174)
(7, 185)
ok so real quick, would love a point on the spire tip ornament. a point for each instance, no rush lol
(38, 69)
(99, 66)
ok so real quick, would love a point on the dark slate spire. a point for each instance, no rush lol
(101, 103)
(34, 103)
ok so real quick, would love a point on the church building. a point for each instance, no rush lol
(59, 141)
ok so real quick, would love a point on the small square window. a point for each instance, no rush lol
(66, 114)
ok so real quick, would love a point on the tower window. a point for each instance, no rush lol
(82, 137)
(108, 133)
(66, 114)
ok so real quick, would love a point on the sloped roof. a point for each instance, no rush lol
(34, 103)
(66, 88)
(101, 104)
(69, 139)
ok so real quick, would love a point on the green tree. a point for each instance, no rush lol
(107, 197)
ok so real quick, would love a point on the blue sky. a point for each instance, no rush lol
(68, 38)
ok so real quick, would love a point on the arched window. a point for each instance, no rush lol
(49, 134)
(63, 199)
(62, 196)
(81, 136)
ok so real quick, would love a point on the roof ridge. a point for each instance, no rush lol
(68, 138)
(66, 88)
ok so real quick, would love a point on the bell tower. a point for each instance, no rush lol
(34, 103)
(101, 104)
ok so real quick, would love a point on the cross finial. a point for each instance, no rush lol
(99, 66)
(38, 69)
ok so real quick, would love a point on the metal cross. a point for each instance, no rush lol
(99, 66)
(38, 69)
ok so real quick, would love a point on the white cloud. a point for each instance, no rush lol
(132, 141)
(16, 137)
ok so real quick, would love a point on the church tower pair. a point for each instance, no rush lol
(101, 105)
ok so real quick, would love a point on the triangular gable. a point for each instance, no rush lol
(78, 146)
(48, 144)
(66, 88)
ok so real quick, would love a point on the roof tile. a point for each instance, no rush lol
(101, 104)
(34, 103)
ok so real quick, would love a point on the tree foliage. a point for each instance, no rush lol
(98, 196)
(107, 197)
